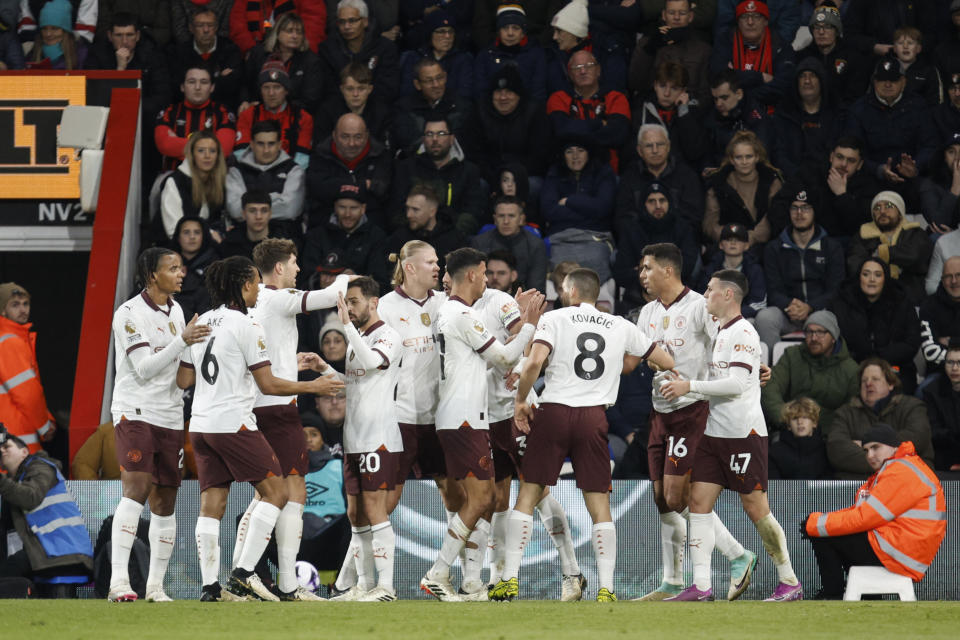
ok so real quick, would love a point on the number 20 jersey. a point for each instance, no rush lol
(225, 391)
(586, 357)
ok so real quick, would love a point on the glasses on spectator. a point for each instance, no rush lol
(951, 276)
(583, 67)
(751, 17)
(443, 31)
(880, 206)
(801, 208)
(350, 21)
(820, 28)
(951, 363)
(815, 333)
(436, 134)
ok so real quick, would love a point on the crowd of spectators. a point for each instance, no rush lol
(812, 144)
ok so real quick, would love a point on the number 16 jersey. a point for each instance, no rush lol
(586, 354)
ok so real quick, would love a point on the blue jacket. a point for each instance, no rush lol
(458, 65)
(889, 131)
(813, 274)
(757, 296)
(767, 93)
(590, 198)
(529, 60)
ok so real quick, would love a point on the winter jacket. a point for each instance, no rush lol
(793, 458)
(296, 128)
(194, 296)
(841, 216)
(11, 51)
(250, 19)
(901, 508)
(282, 179)
(527, 247)
(176, 123)
(686, 48)
(938, 203)
(377, 52)
(307, 83)
(812, 274)
(527, 56)
(411, 113)
(871, 22)
(444, 238)
(756, 298)
(683, 184)
(767, 93)
(590, 198)
(154, 17)
(539, 13)
(906, 414)
(784, 17)
(597, 121)
(237, 243)
(328, 170)
(801, 137)
(522, 136)
(890, 131)
(924, 80)
(362, 250)
(97, 457)
(907, 253)
(225, 55)
(939, 318)
(376, 114)
(724, 205)
(182, 16)
(46, 518)
(746, 116)
(688, 139)
(155, 82)
(23, 406)
(943, 410)
(176, 200)
(847, 70)
(886, 328)
(558, 79)
(83, 12)
(830, 379)
(458, 65)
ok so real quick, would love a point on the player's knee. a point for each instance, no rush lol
(675, 500)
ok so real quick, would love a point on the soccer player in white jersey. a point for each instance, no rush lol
(232, 365)
(466, 347)
(148, 337)
(679, 322)
(733, 452)
(278, 305)
(585, 348)
(501, 314)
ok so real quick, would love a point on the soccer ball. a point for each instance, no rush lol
(307, 576)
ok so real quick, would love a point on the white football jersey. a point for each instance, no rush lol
(276, 311)
(499, 312)
(685, 330)
(586, 354)
(419, 359)
(140, 324)
(226, 391)
(371, 420)
(737, 345)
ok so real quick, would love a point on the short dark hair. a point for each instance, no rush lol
(255, 196)
(728, 76)
(425, 190)
(665, 253)
(669, 72)
(850, 142)
(358, 71)
(266, 126)
(462, 259)
(199, 64)
(734, 278)
(269, 252)
(436, 116)
(504, 256)
(199, 10)
(587, 283)
(504, 199)
(149, 261)
(124, 19)
(424, 62)
(225, 279)
(367, 285)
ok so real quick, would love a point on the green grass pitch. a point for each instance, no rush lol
(427, 620)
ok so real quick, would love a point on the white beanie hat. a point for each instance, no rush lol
(573, 18)
(893, 198)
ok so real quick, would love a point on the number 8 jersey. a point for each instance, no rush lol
(225, 392)
(586, 354)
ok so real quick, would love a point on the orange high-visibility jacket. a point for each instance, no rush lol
(903, 510)
(23, 407)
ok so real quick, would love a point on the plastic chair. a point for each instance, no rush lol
(877, 580)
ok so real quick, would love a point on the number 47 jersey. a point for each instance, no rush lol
(586, 354)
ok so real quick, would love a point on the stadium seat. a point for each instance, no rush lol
(779, 348)
(877, 580)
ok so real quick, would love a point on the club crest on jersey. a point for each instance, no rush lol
(478, 327)
(680, 323)
(261, 344)
(425, 319)
(129, 328)
(173, 328)
(666, 322)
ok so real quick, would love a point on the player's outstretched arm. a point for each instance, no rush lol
(660, 358)
(327, 297)
(271, 385)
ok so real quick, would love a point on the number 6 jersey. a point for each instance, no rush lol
(225, 391)
(586, 354)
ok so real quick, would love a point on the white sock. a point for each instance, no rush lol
(453, 542)
(473, 567)
(263, 519)
(724, 541)
(701, 548)
(289, 531)
(519, 530)
(122, 534)
(242, 528)
(347, 577)
(383, 547)
(605, 551)
(554, 519)
(208, 549)
(673, 543)
(162, 536)
(497, 543)
(366, 565)
(450, 514)
(775, 542)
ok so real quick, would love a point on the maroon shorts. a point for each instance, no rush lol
(674, 437)
(370, 471)
(508, 446)
(422, 452)
(739, 464)
(558, 431)
(467, 453)
(281, 426)
(222, 458)
(143, 447)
